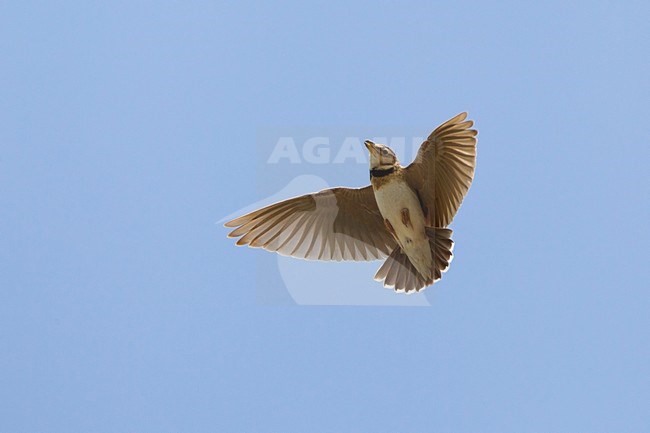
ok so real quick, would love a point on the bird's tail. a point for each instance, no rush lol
(399, 273)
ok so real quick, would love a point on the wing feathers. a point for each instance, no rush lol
(443, 170)
(335, 224)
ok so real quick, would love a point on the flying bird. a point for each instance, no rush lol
(402, 216)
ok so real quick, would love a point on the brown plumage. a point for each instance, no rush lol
(354, 224)
(406, 217)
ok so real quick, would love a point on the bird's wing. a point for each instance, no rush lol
(333, 224)
(443, 169)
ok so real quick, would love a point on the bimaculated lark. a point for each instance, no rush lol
(403, 215)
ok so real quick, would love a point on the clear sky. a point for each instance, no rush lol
(128, 130)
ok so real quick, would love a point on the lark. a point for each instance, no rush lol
(402, 216)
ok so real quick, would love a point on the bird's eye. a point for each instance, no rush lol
(384, 152)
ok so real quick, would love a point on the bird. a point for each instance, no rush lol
(402, 216)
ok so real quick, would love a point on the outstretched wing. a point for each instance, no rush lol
(443, 169)
(333, 224)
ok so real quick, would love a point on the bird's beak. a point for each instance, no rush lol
(370, 145)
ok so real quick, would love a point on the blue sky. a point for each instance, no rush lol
(128, 130)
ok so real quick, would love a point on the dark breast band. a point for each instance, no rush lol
(376, 172)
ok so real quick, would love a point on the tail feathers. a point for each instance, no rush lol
(442, 247)
(399, 273)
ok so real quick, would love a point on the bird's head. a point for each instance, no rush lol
(382, 157)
